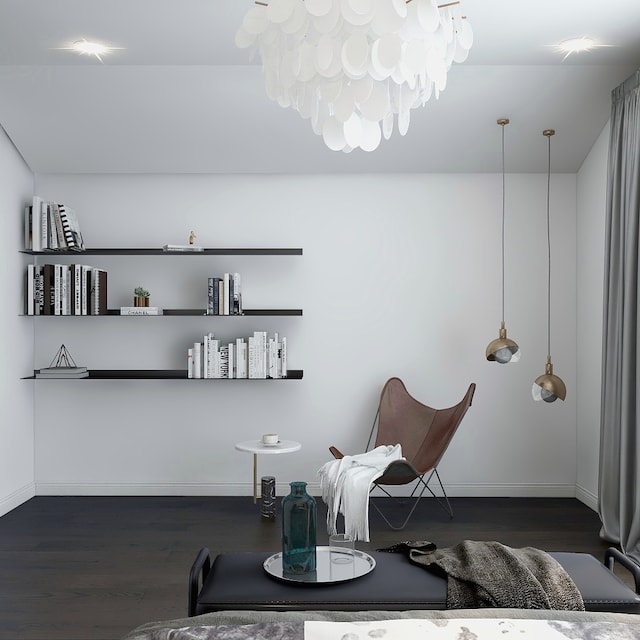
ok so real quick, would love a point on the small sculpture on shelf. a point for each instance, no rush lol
(141, 297)
(192, 237)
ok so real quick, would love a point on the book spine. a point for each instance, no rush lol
(225, 295)
(237, 294)
(38, 291)
(197, 360)
(36, 234)
(210, 296)
(215, 285)
(189, 363)
(30, 290)
(48, 289)
(57, 298)
(67, 229)
(284, 357)
(77, 289)
(44, 225)
(28, 227)
(55, 209)
(232, 360)
(51, 225)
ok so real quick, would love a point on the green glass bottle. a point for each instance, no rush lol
(298, 530)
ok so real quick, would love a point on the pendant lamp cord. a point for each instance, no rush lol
(549, 248)
(503, 217)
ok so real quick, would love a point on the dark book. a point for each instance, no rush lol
(48, 289)
(98, 292)
(216, 296)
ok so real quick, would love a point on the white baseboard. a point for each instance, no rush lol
(282, 488)
(588, 498)
(18, 497)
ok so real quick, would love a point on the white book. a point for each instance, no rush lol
(197, 360)
(36, 233)
(181, 247)
(251, 357)
(225, 294)
(76, 273)
(214, 346)
(205, 356)
(189, 363)
(66, 290)
(57, 289)
(30, 292)
(232, 364)
(284, 357)
(51, 226)
(240, 358)
(28, 227)
(237, 294)
(44, 224)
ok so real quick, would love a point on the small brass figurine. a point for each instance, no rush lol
(192, 237)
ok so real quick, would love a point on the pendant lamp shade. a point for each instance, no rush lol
(548, 387)
(503, 350)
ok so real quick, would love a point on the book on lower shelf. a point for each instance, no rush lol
(140, 311)
(62, 372)
(182, 247)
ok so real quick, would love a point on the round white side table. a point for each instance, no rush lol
(257, 448)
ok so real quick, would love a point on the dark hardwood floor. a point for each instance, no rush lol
(93, 568)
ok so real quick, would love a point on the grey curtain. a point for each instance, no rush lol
(619, 480)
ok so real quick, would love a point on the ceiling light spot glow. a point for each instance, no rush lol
(88, 48)
(577, 45)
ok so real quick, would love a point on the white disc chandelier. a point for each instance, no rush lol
(352, 67)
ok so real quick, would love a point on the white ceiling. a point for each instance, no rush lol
(179, 97)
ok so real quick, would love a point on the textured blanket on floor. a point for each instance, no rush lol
(490, 574)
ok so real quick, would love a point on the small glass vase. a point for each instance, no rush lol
(298, 531)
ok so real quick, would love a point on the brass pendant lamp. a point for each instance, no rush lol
(548, 387)
(503, 350)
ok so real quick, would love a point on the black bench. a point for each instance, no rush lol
(237, 581)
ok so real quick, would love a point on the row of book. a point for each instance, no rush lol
(224, 295)
(51, 226)
(256, 357)
(65, 290)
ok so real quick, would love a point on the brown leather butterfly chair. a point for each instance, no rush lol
(423, 432)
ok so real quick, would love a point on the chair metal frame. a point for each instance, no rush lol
(423, 447)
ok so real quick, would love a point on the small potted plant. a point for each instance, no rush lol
(141, 297)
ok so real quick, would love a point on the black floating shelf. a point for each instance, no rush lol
(201, 312)
(160, 252)
(158, 374)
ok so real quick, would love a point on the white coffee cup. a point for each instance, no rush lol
(270, 438)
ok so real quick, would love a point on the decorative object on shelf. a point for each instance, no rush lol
(548, 387)
(298, 531)
(350, 66)
(141, 297)
(140, 311)
(62, 366)
(503, 350)
(191, 246)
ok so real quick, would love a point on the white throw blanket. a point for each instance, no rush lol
(345, 486)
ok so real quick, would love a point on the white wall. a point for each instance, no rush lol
(591, 206)
(16, 396)
(400, 276)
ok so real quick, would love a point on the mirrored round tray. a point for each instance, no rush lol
(327, 572)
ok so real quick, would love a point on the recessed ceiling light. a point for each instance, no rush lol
(88, 48)
(577, 45)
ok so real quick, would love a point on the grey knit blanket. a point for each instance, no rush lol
(490, 574)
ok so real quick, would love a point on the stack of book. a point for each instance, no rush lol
(224, 295)
(65, 290)
(256, 357)
(62, 372)
(51, 226)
